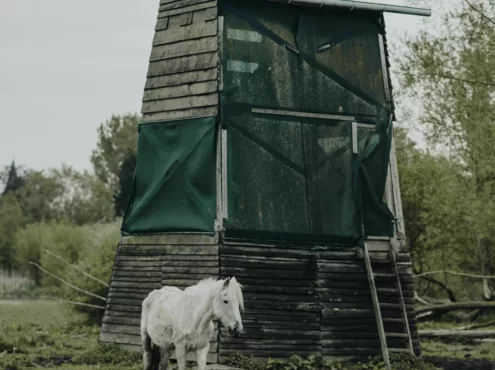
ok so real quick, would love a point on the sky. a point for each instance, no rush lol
(67, 66)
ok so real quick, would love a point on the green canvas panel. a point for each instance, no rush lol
(174, 187)
(266, 177)
(305, 184)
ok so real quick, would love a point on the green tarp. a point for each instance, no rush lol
(293, 178)
(174, 186)
(297, 178)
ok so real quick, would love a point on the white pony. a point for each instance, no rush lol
(172, 318)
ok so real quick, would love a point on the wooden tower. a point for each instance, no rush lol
(266, 152)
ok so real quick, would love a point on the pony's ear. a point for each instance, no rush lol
(226, 283)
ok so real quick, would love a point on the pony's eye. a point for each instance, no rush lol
(226, 302)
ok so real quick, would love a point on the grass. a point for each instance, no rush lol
(48, 335)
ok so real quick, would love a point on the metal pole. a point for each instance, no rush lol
(359, 5)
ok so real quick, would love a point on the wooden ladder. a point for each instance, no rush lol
(379, 306)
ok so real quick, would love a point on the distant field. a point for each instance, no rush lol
(13, 283)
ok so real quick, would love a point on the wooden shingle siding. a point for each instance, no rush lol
(183, 75)
(184, 48)
(186, 9)
(138, 270)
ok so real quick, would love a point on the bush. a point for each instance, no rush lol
(91, 248)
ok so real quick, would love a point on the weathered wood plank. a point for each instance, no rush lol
(121, 329)
(151, 281)
(179, 4)
(184, 240)
(200, 88)
(190, 32)
(192, 8)
(129, 321)
(120, 338)
(177, 104)
(279, 297)
(180, 114)
(273, 289)
(124, 308)
(177, 80)
(286, 264)
(192, 276)
(152, 275)
(184, 48)
(204, 15)
(136, 284)
(297, 306)
(268, 273)
(275, 316)
(241, 346)
(267, 252)
(191, 270)
(275, 334)
(266, 354)
(183, 64)
(196, 250)
(136, 302)
(180, 283)
(270, 281)
(268, 342)
(280, 325)
(357, 292)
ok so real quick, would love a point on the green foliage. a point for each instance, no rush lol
(86, 200)
(13, 181)
(449, 191)
(117, 140)
(295, 362)
(11, 221)
(108, 355)
(126, 176)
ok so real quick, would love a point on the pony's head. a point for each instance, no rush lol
(228, 305)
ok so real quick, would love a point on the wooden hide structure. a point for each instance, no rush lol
(300, 297)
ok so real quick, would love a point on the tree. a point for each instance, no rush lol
(11, 221)
(117, 140)
(13, 181)
(85, 200)
(450, 75)
(126, 176)
(39, 195)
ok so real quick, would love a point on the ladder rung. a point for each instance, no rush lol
(405, 350)
(399, 321)
(396, 335)
(383, 275)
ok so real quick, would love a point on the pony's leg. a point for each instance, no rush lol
(164, 358)
(147, 350)
(201, 356)
(180, 351)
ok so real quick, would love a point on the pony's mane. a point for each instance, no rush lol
(235, 289)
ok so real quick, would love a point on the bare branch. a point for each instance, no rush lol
(442, 308)
(76, 268)
(477, 326)
(81, 304)
(67, 283)
(455, 274)
(478, 10)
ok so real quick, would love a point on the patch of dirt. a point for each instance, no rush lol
(459, 364)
